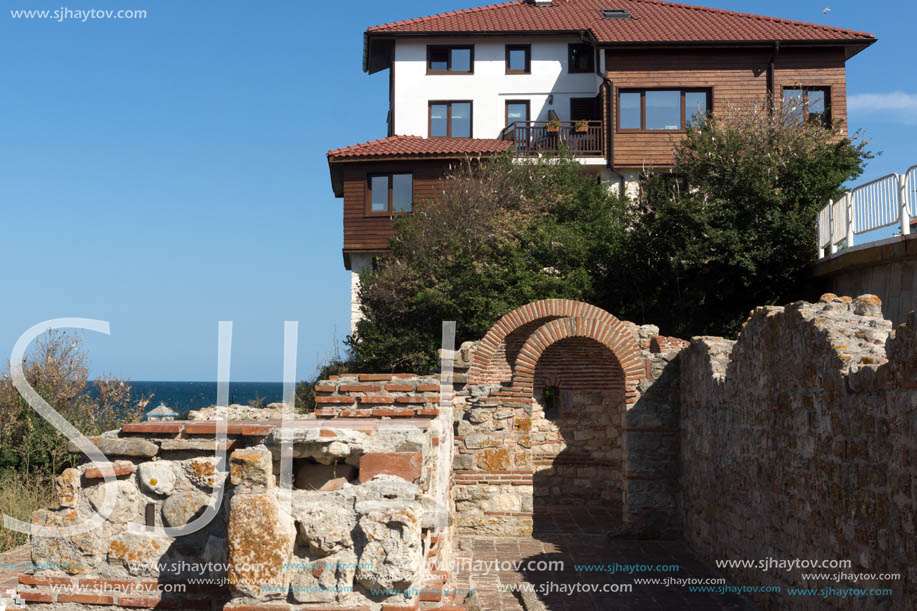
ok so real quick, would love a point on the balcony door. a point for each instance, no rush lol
(585, 109)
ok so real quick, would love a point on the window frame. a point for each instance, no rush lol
(825, 90)
(642, 91)
(450, 48)
(528, 58)
(449, 103)
(368, 194)
(570, 62)
(528, 110)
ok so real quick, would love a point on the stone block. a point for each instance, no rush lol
(157, 477)
(78, 554)
(406, 465)
(251, 467)
(327, 579)
(127, 498)
(182, 507)
(260, 541)
(325, 529)
(139, 553)
(120, 446)
(393, 554)
(67, 485)
(204, 471)
(496, 459)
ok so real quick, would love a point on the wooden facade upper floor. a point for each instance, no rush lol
(615, 88)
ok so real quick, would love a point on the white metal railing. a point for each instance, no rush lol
(884, 202)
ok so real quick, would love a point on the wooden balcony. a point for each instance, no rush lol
(534, 138)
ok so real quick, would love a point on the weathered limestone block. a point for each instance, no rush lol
(182, 507)
(120, 446)
(505, 502)
(139, 553)
(158, 477)
(393, 554)
(495, 459)
(325, 579)
(204, 471)
(261, 540)
(463, 461)
(126, 503)
(251, 467)
(75, 555)
(68, 487)
(325, 528)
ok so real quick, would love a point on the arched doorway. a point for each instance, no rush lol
(581, 374)
(577, 421)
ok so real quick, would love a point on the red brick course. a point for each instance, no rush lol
(406, 465)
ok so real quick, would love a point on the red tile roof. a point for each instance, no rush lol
(652, 21)
(415, 146)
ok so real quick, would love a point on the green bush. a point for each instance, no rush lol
(698, 260)
(504, 234)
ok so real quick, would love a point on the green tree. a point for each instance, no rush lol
(503, 234)
(698, 260)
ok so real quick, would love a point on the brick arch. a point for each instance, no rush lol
(612, 334)
(545, 310)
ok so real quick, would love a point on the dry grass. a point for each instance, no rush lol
(19, 497)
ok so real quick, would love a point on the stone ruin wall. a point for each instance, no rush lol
(363, 508)
(799, 440)
(796, 441)
(609, 443)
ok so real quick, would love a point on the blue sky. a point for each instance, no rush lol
(167, 173)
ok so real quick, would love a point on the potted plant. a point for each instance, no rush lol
(553, 126)
(581, 126)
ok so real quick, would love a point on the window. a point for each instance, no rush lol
(585, 109)
(390, 193)
(517, 110)
(518, 59)
(550, 398)
(450, 60)
(452, 119)
(581, 58)
(613, 14)
(810, 104)
(653, 110)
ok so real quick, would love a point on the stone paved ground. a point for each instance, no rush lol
(11, 566)
(581, 537)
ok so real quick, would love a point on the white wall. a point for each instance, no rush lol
(489, 87)
(358, 263)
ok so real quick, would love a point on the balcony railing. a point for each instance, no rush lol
(534, 138)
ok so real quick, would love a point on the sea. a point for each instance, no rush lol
(183, 397)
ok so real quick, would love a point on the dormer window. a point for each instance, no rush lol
(614, 14)
(443, 59)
